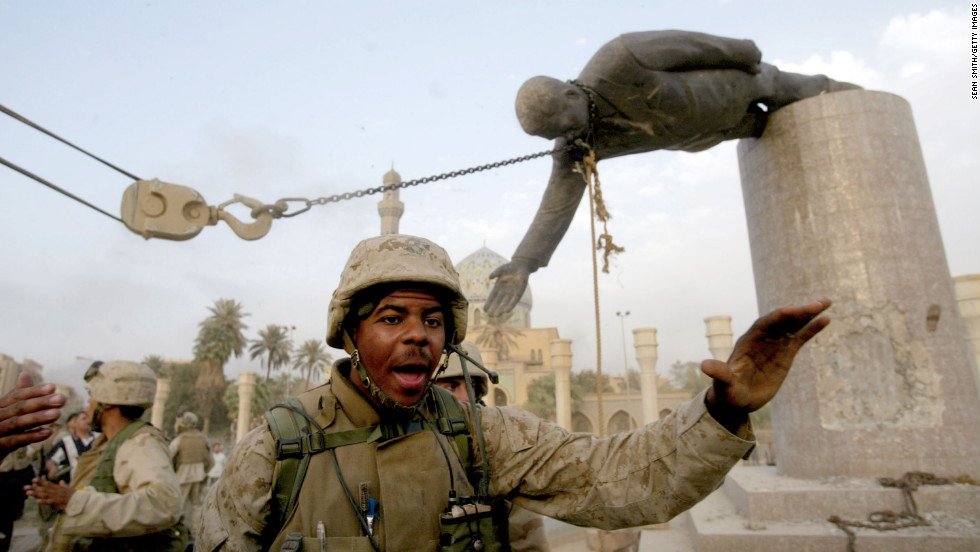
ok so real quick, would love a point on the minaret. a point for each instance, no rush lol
(389, 207)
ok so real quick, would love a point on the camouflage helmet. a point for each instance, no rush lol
(455, 369)
(395, 259)
(121, 382)
(187, 420)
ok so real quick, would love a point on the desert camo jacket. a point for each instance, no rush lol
(148, 500)
(648, 475)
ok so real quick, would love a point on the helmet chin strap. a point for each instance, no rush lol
(95, 424)
(376, 392)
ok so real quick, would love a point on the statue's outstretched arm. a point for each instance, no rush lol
(561, 199)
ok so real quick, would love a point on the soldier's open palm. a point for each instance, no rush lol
(762, 357)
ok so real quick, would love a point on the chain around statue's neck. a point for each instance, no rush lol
(589, 136)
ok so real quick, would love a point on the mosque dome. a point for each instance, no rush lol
(474, 277)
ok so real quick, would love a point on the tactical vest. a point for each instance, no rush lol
(405, 469)
(192, 449)
(172, 539)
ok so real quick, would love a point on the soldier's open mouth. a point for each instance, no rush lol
(412, 377)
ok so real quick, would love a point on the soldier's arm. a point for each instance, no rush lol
(149, 498)
(646, 476)
(237, 507)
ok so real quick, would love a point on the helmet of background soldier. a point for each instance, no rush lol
(481, 382)
(121, 382)
(187, 420)
(391, 260)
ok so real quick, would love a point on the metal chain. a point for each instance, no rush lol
(887, 520)
(279, 208)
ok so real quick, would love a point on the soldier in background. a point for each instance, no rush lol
(525, 528)
(192, 459)
(124, 493)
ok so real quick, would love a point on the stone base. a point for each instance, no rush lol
(758, 511)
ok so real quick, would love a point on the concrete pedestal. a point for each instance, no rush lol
(758, 510)
(838, 205)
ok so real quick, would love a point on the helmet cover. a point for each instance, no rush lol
(396, 259)
(121, 382)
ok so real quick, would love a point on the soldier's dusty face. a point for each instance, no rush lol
(400, 343)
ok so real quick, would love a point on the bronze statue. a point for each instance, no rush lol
(645, 91)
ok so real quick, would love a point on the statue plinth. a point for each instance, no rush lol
(838, 205)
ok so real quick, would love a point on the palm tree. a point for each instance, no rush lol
(275, 344)
(221, 336)
(158, 365)
(500, 335)
(310, 356)
(228, 313)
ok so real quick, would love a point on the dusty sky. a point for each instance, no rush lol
(308, 99)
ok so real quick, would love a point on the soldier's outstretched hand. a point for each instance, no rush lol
(51, 494)
(761, 359)
(23, 410)
(510, 280)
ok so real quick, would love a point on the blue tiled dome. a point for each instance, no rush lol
(474, 277)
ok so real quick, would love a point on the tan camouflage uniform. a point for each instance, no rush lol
(525, 530)
(646, 476)
(148, 500)
(192, 459)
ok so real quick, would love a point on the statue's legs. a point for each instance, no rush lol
(781, 88)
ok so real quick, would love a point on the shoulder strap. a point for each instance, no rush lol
(103, 481)
(288, 428)
(452, 423)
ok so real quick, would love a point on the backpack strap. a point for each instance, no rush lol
(289, 428)
(103, 481)
(452, 423)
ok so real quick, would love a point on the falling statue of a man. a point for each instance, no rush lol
(645, 91)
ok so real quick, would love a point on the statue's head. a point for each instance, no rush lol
(551, 108)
